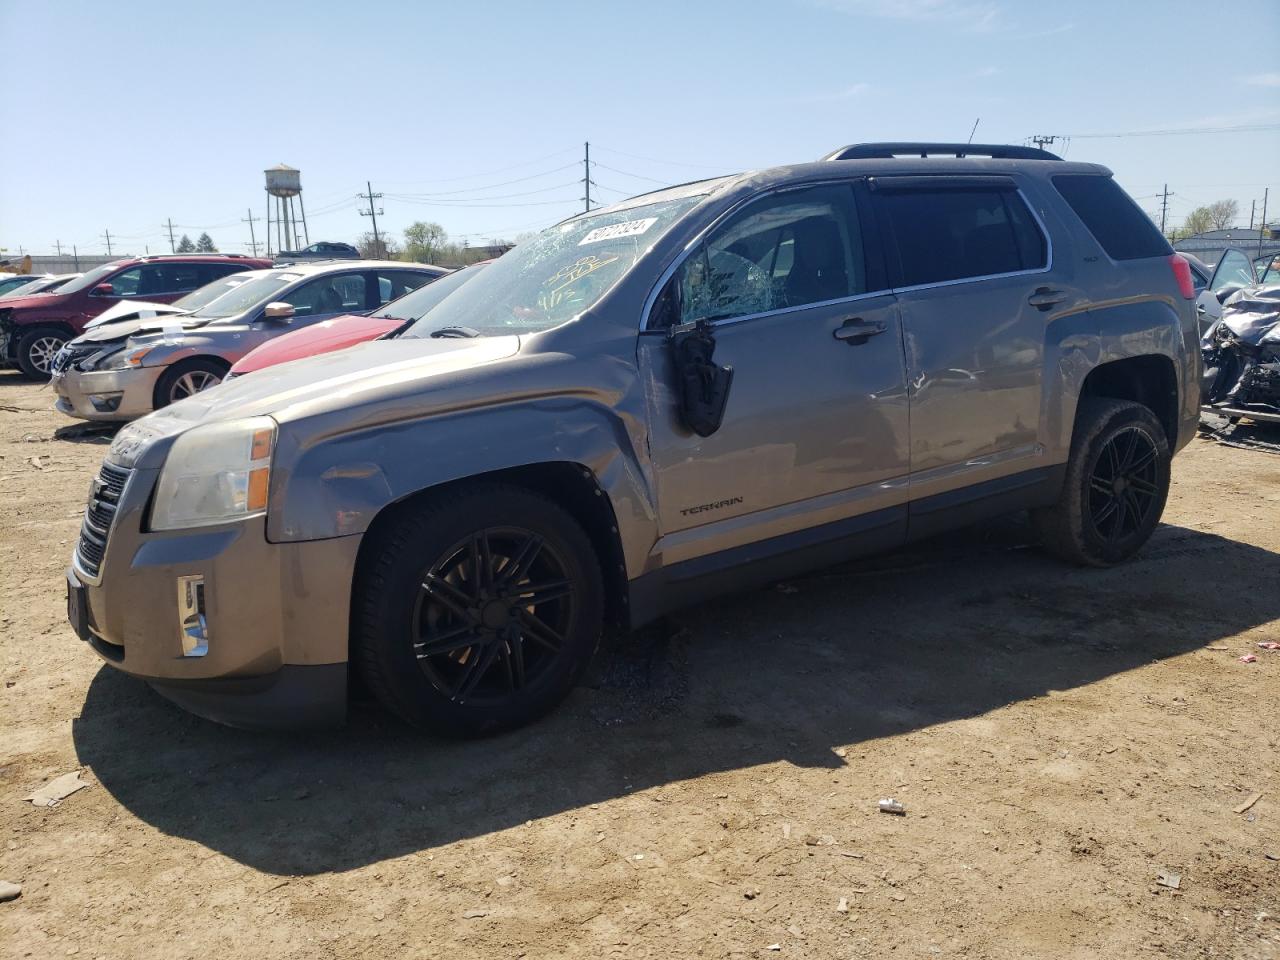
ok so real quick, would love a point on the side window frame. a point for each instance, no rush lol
(937, 182)
(866, 225)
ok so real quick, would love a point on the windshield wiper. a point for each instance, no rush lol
(397, 331)
(455, 332)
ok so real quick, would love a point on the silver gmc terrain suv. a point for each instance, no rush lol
(704, 388)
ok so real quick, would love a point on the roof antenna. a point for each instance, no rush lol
(974, 130)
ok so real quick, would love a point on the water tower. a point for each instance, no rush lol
(284, 184)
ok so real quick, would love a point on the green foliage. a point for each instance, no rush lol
(185, 245)
(204, 244)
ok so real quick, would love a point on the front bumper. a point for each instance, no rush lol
(108, 395)
(275, 614)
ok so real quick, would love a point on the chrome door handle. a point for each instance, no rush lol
(1046, 297)
(856, 331)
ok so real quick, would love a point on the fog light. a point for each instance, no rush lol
(105, 402)
(192, 626)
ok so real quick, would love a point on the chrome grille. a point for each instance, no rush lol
(73, 353)
(99, 514)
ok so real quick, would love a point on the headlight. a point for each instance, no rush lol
(118, 359)
(215, 473)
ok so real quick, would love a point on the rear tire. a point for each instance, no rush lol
(1116, 485)
(502, 584)
(36, 350)
(186, 379)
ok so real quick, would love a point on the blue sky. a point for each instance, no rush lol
(474, 115)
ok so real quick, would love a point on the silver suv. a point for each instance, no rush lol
(701, 389)
(119, 371)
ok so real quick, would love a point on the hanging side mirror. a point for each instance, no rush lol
(701, 384)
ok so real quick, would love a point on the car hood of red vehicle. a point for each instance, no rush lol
(322, 337)
(41, 301)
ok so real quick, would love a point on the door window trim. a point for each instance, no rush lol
(1035, 216)
(850, 182)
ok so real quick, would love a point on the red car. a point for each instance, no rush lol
(346, 331)
(33, 329)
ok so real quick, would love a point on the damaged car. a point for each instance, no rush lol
(125, 369)
(1242, 357)
(699, 390)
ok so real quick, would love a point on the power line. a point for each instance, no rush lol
(1177, 132)
(489, 173)
(638, 176)
(491, 186)
(419, 198)
(672, 163)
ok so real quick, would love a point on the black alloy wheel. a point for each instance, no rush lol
(476, 609)
(1124, 486)
(1115, 485)
(492, 616)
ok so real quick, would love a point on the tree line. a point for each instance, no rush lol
(424, 243)
(1218, 215)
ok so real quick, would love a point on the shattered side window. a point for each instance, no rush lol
(719, 284)
(788, 250)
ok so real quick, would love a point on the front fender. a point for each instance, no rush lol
(336, 485)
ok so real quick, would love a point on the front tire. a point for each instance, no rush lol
(476, 611)
(186, 379)
(36, 350)
(1116, 485)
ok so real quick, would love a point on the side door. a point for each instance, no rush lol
(330, 295)
(814, 432)
(394, 284)
(971, 266)
(167, 281)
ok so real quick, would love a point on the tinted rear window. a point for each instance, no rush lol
(1115, 221)
(954, 234)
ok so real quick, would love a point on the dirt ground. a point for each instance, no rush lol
(1059, 738)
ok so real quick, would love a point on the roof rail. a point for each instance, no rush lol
(887, 151)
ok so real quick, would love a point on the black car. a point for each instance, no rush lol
(323, 250)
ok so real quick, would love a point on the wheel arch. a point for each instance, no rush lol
(571, 486)
(1148, 379)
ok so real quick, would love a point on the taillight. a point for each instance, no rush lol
(1182, 273)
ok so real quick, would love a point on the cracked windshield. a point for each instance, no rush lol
(553, 277)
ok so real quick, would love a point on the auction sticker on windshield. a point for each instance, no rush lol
(628, 228)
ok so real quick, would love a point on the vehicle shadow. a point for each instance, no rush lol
(952, 628)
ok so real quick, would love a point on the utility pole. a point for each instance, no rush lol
(75, 255)
(251, 220)
(1262, 224)
(974, 130)
(586, 175)
(107, 235)
(1044, 140)
(172, 247)
(57, 244)
(372, 213)
(1253, 206)
(1164, 207)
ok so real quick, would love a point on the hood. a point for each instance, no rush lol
(122, 329)
(131, 310)
(1252, 314)
(342, 379)
(39, 300)
(323, 337)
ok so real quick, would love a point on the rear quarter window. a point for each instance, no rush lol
(1116, 222)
